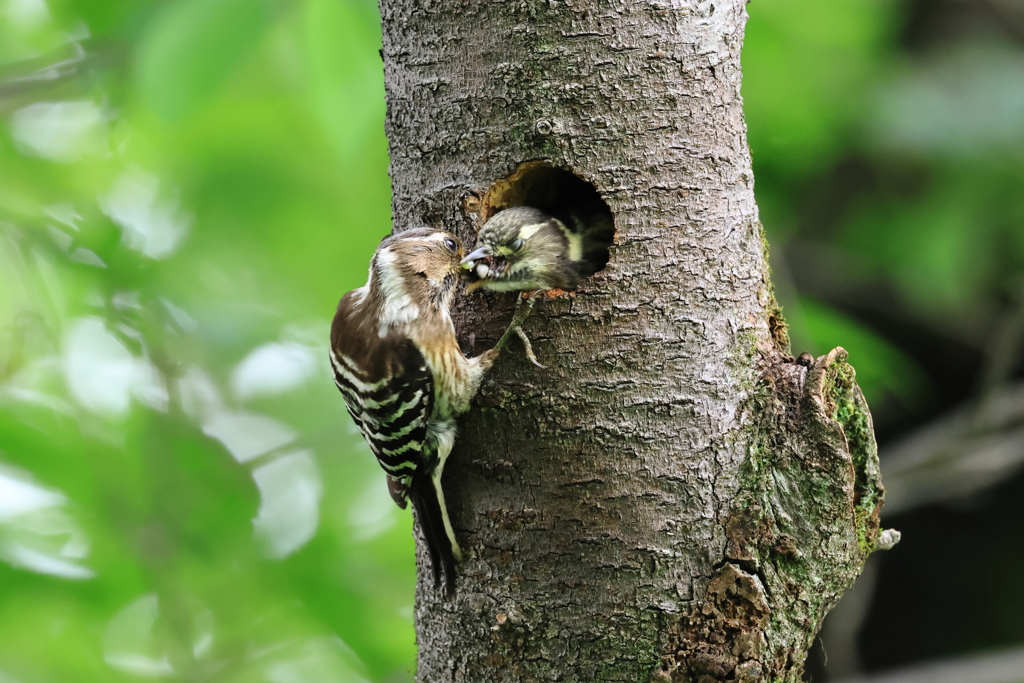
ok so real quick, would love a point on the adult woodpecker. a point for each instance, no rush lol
(398, 365)
(524, 249)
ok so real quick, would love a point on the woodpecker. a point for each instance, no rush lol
(524, 248)
(404, 379)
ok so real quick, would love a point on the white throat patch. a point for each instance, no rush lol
(398, 306)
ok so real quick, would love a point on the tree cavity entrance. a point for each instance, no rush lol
(560, 193)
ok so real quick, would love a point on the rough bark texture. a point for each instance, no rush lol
(674, 498)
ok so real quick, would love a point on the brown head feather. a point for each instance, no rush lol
(413, 276)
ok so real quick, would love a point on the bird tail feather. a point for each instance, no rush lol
(431, 521)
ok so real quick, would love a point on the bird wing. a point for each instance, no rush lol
(393, 411)
(389, 392)
(390, 401)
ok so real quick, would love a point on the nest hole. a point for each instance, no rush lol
(560, 193)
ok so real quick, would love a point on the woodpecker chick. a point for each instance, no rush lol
(404, 379)
(523, 249)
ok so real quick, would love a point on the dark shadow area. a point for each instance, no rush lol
(949, 587)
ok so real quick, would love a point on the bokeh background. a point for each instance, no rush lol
(188, 186)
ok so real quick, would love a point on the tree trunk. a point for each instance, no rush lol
(674, 498)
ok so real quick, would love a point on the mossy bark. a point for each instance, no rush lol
(674, 497)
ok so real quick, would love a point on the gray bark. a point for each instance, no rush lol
(674, 498)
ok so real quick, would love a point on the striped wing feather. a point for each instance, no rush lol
(388, 390)
(392, 412)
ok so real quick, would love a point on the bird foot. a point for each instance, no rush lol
(523, 311)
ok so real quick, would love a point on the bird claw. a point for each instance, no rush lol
(516, 327)
(528, 347)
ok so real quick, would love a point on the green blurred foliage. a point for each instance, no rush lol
(807, 65)
(887, 151)
(188, 186)
(189, 48)
(181, 492)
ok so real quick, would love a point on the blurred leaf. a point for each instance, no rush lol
(27, 29)
(345, 83)
(962, 102)
(950, 246)
(192, 46)
(807, 67)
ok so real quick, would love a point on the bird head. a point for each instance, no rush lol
(422, 260)
(521, 248)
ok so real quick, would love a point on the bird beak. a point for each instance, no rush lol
(467, 262)
(476, 284)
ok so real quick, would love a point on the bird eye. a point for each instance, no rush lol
(451, 244)
(517, 244)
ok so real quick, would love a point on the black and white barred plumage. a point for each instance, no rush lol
(392, 413)
(404, 379)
